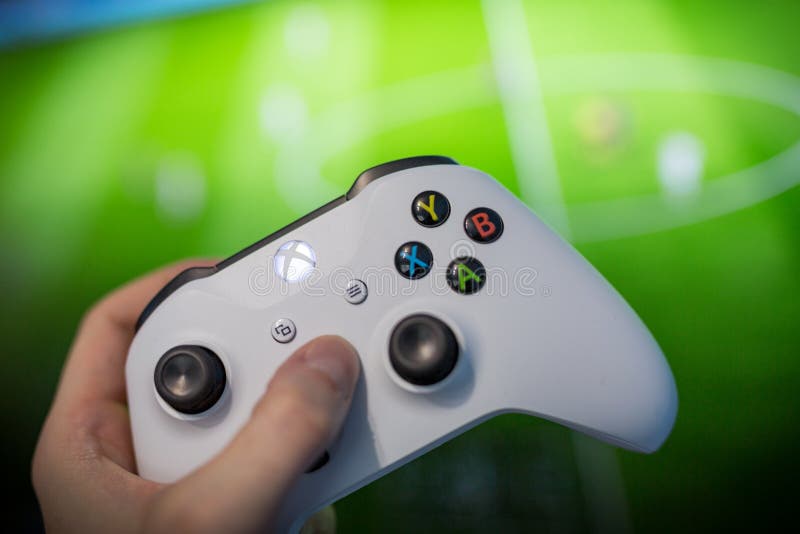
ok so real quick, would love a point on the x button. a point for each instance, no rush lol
(413, 260)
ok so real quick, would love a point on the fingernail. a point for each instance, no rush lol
(333, 356)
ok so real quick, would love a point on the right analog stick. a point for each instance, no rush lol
(423, 350)
(190, 378)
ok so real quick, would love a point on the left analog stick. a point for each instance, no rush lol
(190, 378)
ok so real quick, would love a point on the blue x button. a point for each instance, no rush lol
(413, 260)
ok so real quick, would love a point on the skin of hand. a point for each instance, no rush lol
(84, 471)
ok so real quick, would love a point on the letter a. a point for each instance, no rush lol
(464, 274)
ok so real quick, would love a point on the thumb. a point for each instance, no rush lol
(292, 424)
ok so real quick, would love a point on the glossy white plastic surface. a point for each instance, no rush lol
(547, 336)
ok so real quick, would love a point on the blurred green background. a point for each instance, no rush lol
(660, 138)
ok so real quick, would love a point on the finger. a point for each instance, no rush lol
(292, 424)
(95, 368)
(90, 401)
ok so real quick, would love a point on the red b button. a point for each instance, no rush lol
(483, 225)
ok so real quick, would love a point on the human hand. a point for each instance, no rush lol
(84, 471)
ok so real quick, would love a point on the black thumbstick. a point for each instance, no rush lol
(423, 350)
(190, 378)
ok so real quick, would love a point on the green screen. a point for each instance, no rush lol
(660, 138)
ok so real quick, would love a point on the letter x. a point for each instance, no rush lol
(413, 261)
(464, 274)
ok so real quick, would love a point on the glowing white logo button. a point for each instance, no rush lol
(294, 261)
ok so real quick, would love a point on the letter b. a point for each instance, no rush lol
(483, 225)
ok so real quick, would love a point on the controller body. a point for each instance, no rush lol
(545, 334)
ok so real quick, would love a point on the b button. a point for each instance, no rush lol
(483, 225)
(430, 208)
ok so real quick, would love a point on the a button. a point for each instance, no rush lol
(283, 330)
(423, 350)
(355, 292)
(483, 225)
(430, 208)
(294, 261)
(466, 275)
(413, 260)
(190, 378)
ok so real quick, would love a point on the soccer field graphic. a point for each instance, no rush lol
(661, 139)
(409, 102)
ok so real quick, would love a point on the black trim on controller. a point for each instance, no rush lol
(192, 273)
(379, 171)
(283, 231)
(363, 180)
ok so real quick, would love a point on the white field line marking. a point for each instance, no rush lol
(523, 108)
(341, 127)
(534, 159)
(678, 74)
(298, 165)
(602, 485)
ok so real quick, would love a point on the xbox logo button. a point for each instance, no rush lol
(294, 261)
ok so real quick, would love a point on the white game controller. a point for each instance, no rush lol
(462, 304)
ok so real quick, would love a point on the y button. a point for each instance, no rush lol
(430, 208)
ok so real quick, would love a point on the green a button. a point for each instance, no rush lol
(466, 275)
